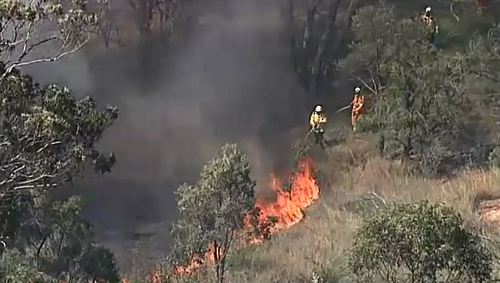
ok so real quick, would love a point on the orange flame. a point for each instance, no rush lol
(288, 209)
(289, 206)
(195, 262)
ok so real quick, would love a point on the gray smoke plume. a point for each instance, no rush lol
(229, 80)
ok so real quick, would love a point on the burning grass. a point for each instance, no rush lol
(287, 209)
(325, 235)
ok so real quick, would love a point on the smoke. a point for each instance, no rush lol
(229, 80)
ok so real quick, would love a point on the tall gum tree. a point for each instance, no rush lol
(47, 139)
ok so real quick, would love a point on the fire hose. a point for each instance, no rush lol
(343, 108)
(302, 147)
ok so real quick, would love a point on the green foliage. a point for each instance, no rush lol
(421, 101)
(214, 211)
(61, 237)
(15, 268)
(26, 26)
(13, 208)
(494, 158)
(57, 244)
(47, 139)
(100, 265)
(418, 242)
(59, 241)
(47, 134)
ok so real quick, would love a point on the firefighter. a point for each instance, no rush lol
(486, 6)
(479, 6)
(428, 19)
(317, 121)
(356, 107)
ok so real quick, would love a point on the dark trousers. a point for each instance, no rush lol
(319, 137)
(431, 36)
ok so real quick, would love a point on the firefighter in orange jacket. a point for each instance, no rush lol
(317, 122)
(428, 19)
(483, 5)
(357, 105)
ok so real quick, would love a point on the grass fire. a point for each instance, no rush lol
(287, 210)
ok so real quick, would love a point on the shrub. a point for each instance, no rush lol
(418, 242)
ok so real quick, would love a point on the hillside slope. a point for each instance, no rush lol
(354, 180)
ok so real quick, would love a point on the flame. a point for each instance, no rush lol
(195, 262)
(288, 209)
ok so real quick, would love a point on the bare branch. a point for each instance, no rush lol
(364, 83)
(35, 179)
(44, 60)
(27, 50)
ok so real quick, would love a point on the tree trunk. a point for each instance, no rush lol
(105, 30)
(309, 25)
(407, 148)
(291, 33)
(408, 98)
(345, 27)
(217, 261)
(221, 269)
(225, 249)
(330, 25)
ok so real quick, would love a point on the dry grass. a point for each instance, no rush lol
(327, 232)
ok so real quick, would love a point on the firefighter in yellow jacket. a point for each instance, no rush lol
(317, 122)
(428, 19)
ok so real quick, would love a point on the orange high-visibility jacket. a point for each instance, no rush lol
(357, 103)
(482, 5)
(430, 22)
(427, 19)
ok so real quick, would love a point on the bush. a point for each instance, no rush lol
(57, 245)
(215, 212)
(99, 264)
(419, 242)
(494, 158)
(17, 268)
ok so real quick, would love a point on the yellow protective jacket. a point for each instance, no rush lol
(317, 119)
